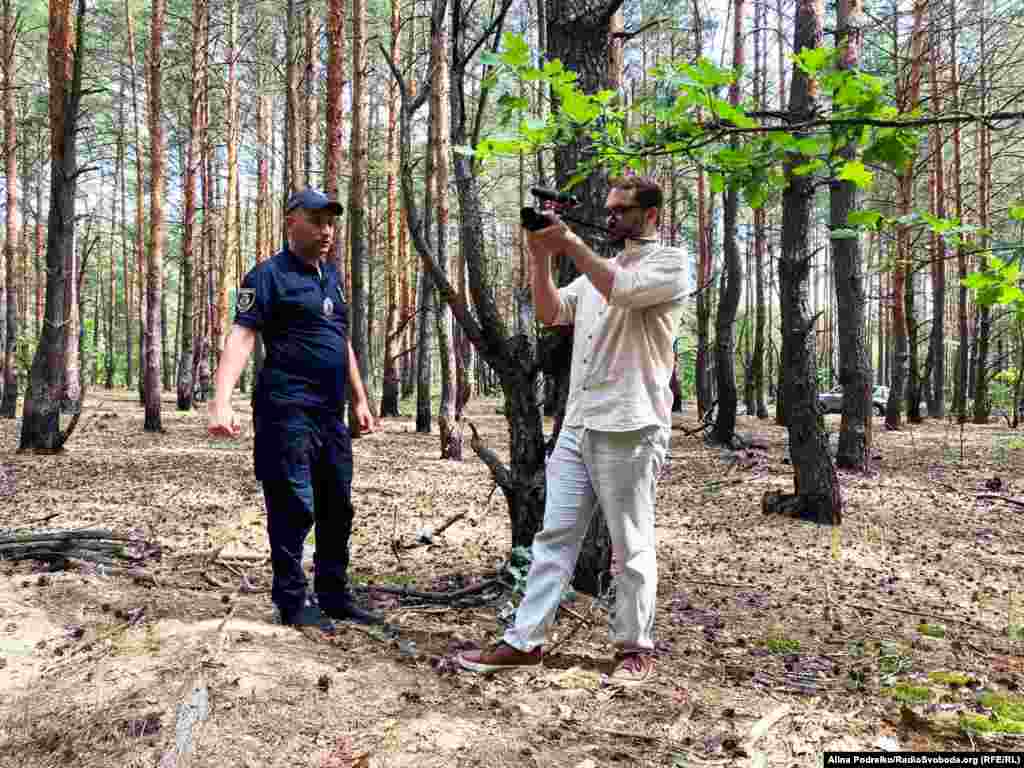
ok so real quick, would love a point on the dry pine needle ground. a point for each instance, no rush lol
(777, 639)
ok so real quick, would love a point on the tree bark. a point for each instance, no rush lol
(814, 475)
(40, 427)
(391, 384)
(440, 127)
(186, 384)
(292, 161)
(704, 271)
(960, 388)
(907, 92)
(8, 365)
(126, 268)
(154, 286)
(982, 402)
(140, 248)
(937, 338)
(848, 267)
(732, 277)
(359, 300)
(231, 204)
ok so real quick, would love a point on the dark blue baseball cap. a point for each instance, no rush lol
(313, 200)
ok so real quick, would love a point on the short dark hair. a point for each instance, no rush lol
(646, 191)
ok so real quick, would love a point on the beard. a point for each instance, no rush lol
(620, 232)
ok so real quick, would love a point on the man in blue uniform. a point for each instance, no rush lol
(303, 450)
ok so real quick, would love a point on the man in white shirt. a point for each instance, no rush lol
(615, 434)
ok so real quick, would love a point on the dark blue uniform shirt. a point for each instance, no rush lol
(302, 315)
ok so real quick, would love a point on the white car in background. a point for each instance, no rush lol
(832, 401)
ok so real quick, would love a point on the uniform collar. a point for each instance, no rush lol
(300, 265)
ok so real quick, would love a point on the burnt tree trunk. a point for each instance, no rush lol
(732, 277)
(578, 35)
(511, 358)
(40, 427)
(815, 479)
(851, 296)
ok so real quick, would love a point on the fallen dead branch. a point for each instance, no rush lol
(433, 597)
(997, 497)
(94, 545)
(426, 537)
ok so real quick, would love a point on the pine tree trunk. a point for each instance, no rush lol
(154, 286)
(908, 91)
(111, 305)
(851, 295)
(40, 426)
(309, 58)
(292, 163)
(335, 88)
(982, 402)
(960, 386)
(8, 365)
(140, 248)
(391, 383)
(359, 301)
(126, 268)
(72, 401)
(231, 204)
(440, 125)
(815, 479)
(731, 285)
(937, 337)
(186, 384)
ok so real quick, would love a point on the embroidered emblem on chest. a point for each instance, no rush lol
(246, 299)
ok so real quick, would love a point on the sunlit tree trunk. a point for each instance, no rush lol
(908, 90)
(40, 426)
(310, 56)
(359, 302)
(960, 388)
(293, 159)
(186, 384)
(440, 140)
(335, 106)
(8, 363)
(757, 367)
(704, 267)
(393, 263)
(231, 204)
(154, 286)
(982, 403)
(140, 249)
(937, 345)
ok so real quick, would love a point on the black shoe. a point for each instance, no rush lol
(347, 610)
(308, 616)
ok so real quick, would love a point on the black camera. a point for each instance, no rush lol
(533, 220)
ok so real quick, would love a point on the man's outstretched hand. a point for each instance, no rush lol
(221, 420)
(364, 417)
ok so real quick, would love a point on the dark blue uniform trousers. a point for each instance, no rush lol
(303, 458)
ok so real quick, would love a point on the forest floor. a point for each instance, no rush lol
(777, 639)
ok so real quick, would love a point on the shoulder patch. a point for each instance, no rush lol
(246, 298)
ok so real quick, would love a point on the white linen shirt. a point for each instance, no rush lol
(622, 354)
